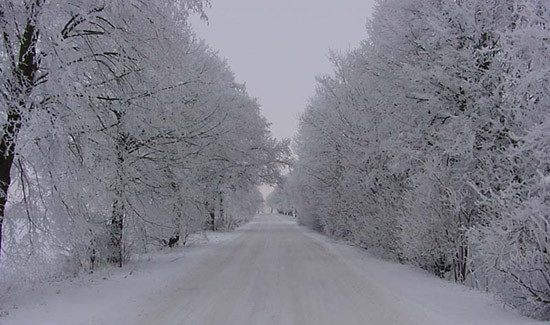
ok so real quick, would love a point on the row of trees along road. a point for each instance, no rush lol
(120, 131)
(430, 142)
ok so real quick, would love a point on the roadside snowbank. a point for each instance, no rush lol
(455, 304)
(76, 300)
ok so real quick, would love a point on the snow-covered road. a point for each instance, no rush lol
(271, 271)
(275, 274)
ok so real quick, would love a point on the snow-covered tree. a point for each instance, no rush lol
(427, 142)
(129, 130)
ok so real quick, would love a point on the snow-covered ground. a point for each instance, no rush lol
(268, 272)
(112, 296)
(419, 290)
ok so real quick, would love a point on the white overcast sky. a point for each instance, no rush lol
(278, 46)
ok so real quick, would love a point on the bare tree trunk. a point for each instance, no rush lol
(211, 212)
(461, 264)
(175, 238)
(116, 230)
(24, 77)
(221, 211)
(213, 218)
(117, 219)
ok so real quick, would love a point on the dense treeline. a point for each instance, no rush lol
(120, 131)
(431, 142)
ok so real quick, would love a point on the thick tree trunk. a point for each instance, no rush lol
(213, 218)
(116, 231)
(461, 264)
(211, 210)
(221, 211)
(174, 240)
(24, 76)
(117, 218)
(6, 161)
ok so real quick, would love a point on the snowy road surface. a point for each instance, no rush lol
(269, 272)
(275, 274)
